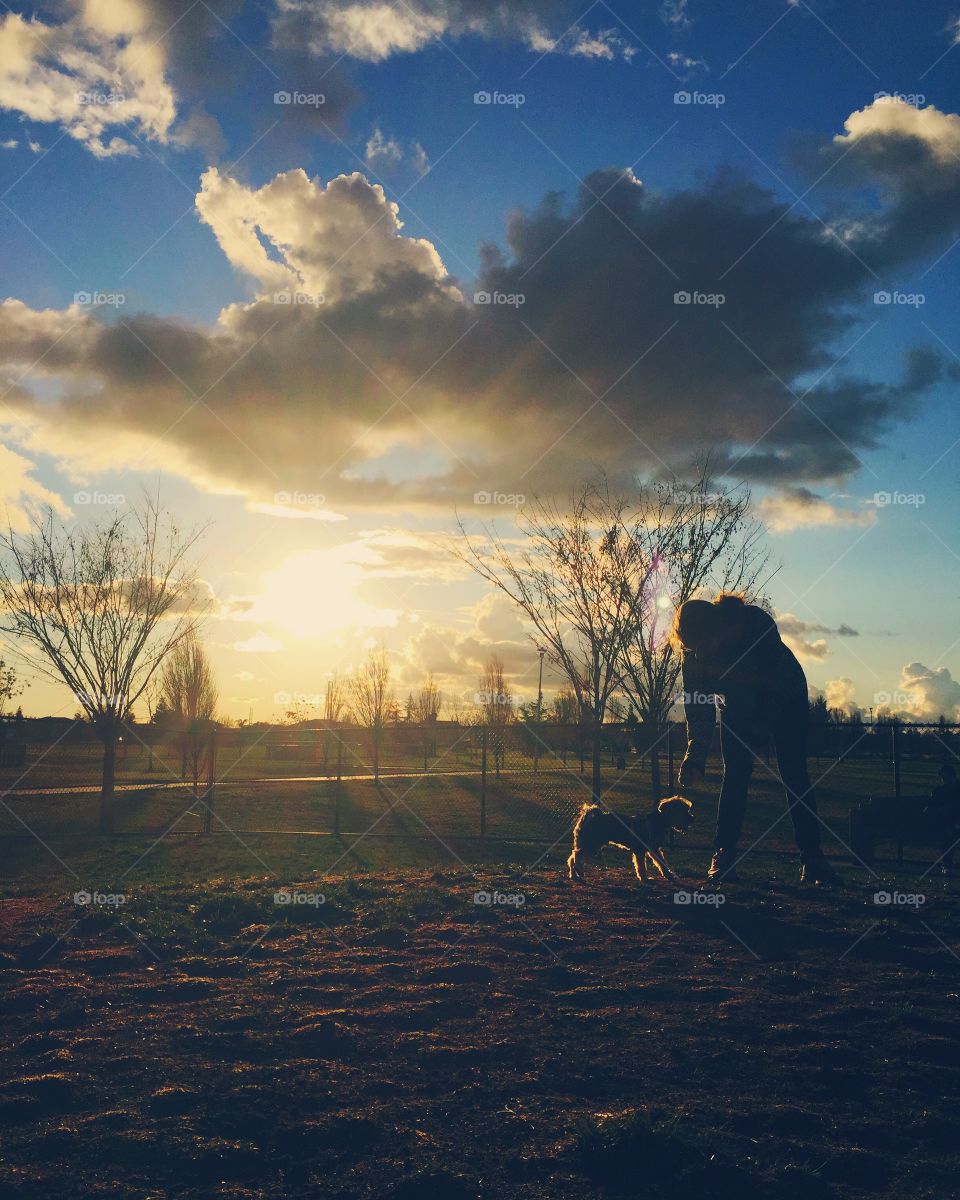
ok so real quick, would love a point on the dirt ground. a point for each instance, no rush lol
(400, 1040)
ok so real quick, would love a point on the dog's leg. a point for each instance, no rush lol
(640, 868)
(575, 866)
(660, 862)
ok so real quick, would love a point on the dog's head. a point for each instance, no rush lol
(677, 811)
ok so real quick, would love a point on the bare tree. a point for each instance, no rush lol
(334, 700)
(575, 579)
(100, 606)
(372, 700)
(693, 535)
(496, 703)
(188, 691)
(424, 707)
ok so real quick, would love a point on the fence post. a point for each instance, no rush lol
(483, 784)
(337, 789)
(210, 797)
(895, 730)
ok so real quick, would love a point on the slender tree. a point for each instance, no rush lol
(188, 691)
(372, 701)
(98, 607)
(424, 711)
(496, 703)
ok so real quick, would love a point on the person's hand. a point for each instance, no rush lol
(689, 775)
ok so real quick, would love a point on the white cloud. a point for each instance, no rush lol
(259, 643)
(20, 492)
(97, 72)
(373, 31)
(841, 694)
(893, 116)
(800, 508)
(808, 639)
(929, 692)
(382, 150)
(330, 242)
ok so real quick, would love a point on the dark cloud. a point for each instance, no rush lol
(571, 350)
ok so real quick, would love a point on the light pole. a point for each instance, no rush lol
(541, 650)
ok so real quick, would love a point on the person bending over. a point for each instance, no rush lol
(732, 658)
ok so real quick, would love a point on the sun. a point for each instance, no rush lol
(317, 593)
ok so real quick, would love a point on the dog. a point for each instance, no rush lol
(642, 836)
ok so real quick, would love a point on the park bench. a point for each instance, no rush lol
(896, 818)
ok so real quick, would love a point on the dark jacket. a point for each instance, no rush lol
(944, 801)
(751, 682)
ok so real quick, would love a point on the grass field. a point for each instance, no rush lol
(382, 1034)
(400, 1041)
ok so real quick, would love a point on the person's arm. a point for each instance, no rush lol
(699, 710)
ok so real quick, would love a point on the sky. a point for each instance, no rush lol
(325, 272)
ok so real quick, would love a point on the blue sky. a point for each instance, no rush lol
(773, 85)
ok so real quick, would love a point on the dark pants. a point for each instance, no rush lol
(739, 748)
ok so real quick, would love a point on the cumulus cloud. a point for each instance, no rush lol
(358, 350)
(927, 693)
(800, 508)
(453, 654)
(841, 695)
(96, 72)
(374, 30)
(911, 156)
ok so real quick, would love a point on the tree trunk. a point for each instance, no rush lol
(655, 783)
(595, 783)
(109, 735)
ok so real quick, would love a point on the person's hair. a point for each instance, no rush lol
(696, 619)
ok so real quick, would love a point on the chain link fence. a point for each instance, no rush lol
(514, 783)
